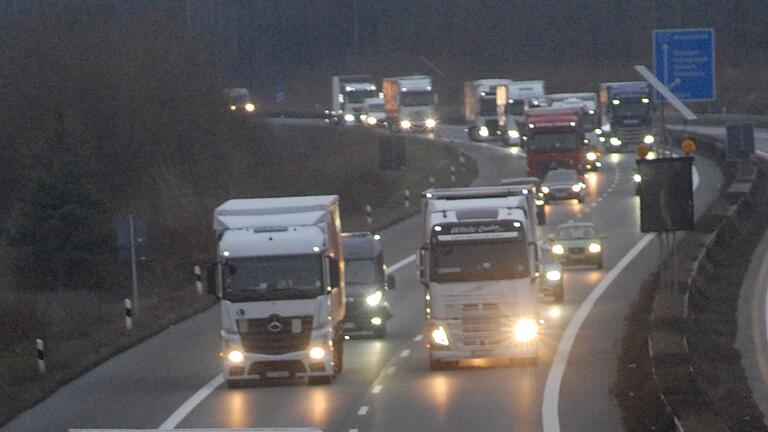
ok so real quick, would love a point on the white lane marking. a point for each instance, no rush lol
(376, 389)
(363, 410)
(191, 403)
(549, 410)
(550, 417)
(405, 353)
(353, 430)
(402, 262)
(594, 204)
(418, 338)
(391, 370)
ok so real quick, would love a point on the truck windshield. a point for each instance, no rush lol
(416, 98)
(629, 108)
(516, 107)
(479, 261)
(553, 141)
(378, 107)
(273, 278)
(359, 96)
(488, 106)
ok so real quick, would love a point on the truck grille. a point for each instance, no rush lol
(576, 250)
(275, 334)
(631, 135)
(481, 324)
(292, 367)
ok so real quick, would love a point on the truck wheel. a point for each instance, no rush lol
(380, 332)
(600, 264)
(559, 296)
(581, 200)
(435, 364)
(320, 380)
(339, 355)
(235, 384)
(541, 216)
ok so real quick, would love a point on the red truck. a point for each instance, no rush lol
(554, 138)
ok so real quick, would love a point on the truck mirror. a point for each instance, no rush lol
(333, 272)
(211, 279)
(391, 282)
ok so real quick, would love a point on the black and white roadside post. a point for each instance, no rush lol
(131, 241)
(40, 345)
(463, 161)
(369, 214)
(453, 174)
(198, 280)
(128, 314)
(431, 181)
(407, 202)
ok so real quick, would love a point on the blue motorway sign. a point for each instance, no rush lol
(684, 61)
(279, 93)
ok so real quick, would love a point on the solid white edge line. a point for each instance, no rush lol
(405, 261)
(191, 403)
(550, 415)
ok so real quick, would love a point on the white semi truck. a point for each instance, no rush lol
(373, 112)
(479, 263)
(522, 95)
(410, 103)
(349, 93)
(280, 278)
(485, 104)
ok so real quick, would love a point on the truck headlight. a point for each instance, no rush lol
(349, 117)
(377, 321)
(576, 188)
(316, 353)
(483, 131)
(649, 139)
(405, 124)
(513, 134)
(374, 298)
(598, 131)
(250, 107)
(232, 107)
(602, 139)
(595, 247)
(439, 336)
(430, 123)
(235, 356)
(558, 249)
(636, 178)
(525, 330)
(615, 141)
(371, 120)
(363, 117)
(545, 189)
(554, 275)
(591, 156)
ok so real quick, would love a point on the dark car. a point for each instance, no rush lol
(563, 184)
(366, 281)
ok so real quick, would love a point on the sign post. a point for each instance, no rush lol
(131, 242)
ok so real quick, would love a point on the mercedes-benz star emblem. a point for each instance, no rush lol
(274, 324)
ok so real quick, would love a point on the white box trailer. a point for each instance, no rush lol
(281, 284)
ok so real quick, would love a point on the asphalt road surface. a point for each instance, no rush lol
(386, 384)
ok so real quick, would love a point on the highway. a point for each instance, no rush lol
(171, 379)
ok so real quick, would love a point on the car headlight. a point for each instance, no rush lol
(236, 356)
(439, 336)
(250, 107)
(232, 107)
(525, 330)
(637, 178)
(554, 275)
(598, 131)
(405, 124)
(483, 131)
(602, 139)
(558, 249)
(513, 134)
(539, 202)
(363, 116)
(615, 141)
(316, 353)
(591, 156)
(374, 298)
(545, 189)
(349, 117)
(651, 155)
(649, 139)
(576, 188)
(594, 247)
(430, 123)
(371, 120)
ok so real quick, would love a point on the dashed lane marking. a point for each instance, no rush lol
(405, 353)
(363, 410)
(418, 338)
(376, 389)
(391, 370)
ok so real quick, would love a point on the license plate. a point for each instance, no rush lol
(278, 374)
(482, 353)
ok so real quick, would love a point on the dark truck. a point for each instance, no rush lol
(366, 281)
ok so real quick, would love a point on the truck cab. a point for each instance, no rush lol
(522, 95)
(373, 112)
(349, 93)
(410, 103)
(554, 138)
(627, 115)
(366, 283)
(485, 109)
(280, 278)
(479, 268)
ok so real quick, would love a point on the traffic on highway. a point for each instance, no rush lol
(413, 243)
